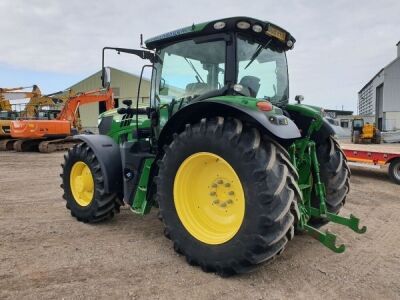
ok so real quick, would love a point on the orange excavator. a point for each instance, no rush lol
(53, 135)
(32, 109)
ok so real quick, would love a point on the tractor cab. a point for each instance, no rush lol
(238, 61)
(236, 56)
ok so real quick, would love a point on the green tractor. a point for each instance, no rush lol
(234, 169)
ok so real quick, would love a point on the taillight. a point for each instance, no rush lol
(264, 105)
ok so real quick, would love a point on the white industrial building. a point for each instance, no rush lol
(124, 85)
(380, 97)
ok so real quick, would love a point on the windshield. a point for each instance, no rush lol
(187, 69)
(358, 123)
(262, 70)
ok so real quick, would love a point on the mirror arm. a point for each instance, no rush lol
(143, 54)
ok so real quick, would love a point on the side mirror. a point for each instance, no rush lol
(127, 102)
(121, 110)
(106, 77)
(162, 84)
(299, 99)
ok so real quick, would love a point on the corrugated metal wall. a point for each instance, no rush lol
(385, 106)
(391, 90)
(367, 97)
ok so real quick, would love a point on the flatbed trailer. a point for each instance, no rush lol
(374, 156)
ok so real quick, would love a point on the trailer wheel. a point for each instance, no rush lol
(225, 196)
(83, 186)
(394, 170)
(335, 174)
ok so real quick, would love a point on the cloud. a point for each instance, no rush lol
(340, 44)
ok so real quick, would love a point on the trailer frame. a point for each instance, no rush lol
(374, 158)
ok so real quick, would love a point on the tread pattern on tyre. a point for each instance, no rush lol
(104, 205)
(335, 175)
(393, 167)
(263, 167)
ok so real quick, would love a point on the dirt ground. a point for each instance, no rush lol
(45, 253)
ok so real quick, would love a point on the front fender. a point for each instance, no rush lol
(303, 115)
(108, 154)
(276, 126)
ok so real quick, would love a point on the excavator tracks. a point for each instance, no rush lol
(49, 146)
(7, 144)
(27, 145)
(42, 145)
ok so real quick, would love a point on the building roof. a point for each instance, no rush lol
(98, 72)
(372, 79)
(396, 59)
(340, 112)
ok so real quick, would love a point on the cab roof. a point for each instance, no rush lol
(254, 27)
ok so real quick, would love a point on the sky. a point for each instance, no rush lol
(340, 44)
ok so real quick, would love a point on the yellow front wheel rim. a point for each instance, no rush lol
(82, 184)
(209, 198)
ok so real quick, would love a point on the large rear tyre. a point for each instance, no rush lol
(83, 186)
(335, 175)
(226, 196)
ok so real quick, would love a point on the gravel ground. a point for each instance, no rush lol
(45, 253)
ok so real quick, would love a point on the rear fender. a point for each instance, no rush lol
(109, 156)
(283, 132)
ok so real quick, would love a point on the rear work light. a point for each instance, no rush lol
(264, 105)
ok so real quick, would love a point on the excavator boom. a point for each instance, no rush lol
(7, 94)
(70, 110)
(6, 110)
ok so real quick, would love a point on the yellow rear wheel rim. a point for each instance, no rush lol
(209, 198)
(82, 184)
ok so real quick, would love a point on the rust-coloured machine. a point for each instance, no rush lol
(52, 135)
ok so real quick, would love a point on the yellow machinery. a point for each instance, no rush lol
(6, 112)
(31, 110)
(363, 133)
(6, 94)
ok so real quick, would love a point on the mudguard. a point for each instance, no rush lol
(278, 127)
(109, 156)
(325, 131)
(303, 115)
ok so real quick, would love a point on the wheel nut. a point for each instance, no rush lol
(213, 193)
(230, 201)
(227, 184)
(223, 204)
(214, 185)
(220, 181)
(216, 201)
(231, 193)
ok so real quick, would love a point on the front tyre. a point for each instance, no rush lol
(83, 186)
(335, 175)
(225, 196)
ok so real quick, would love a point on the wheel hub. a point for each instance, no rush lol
(209, 198)
(222, 193)
(82, 184)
